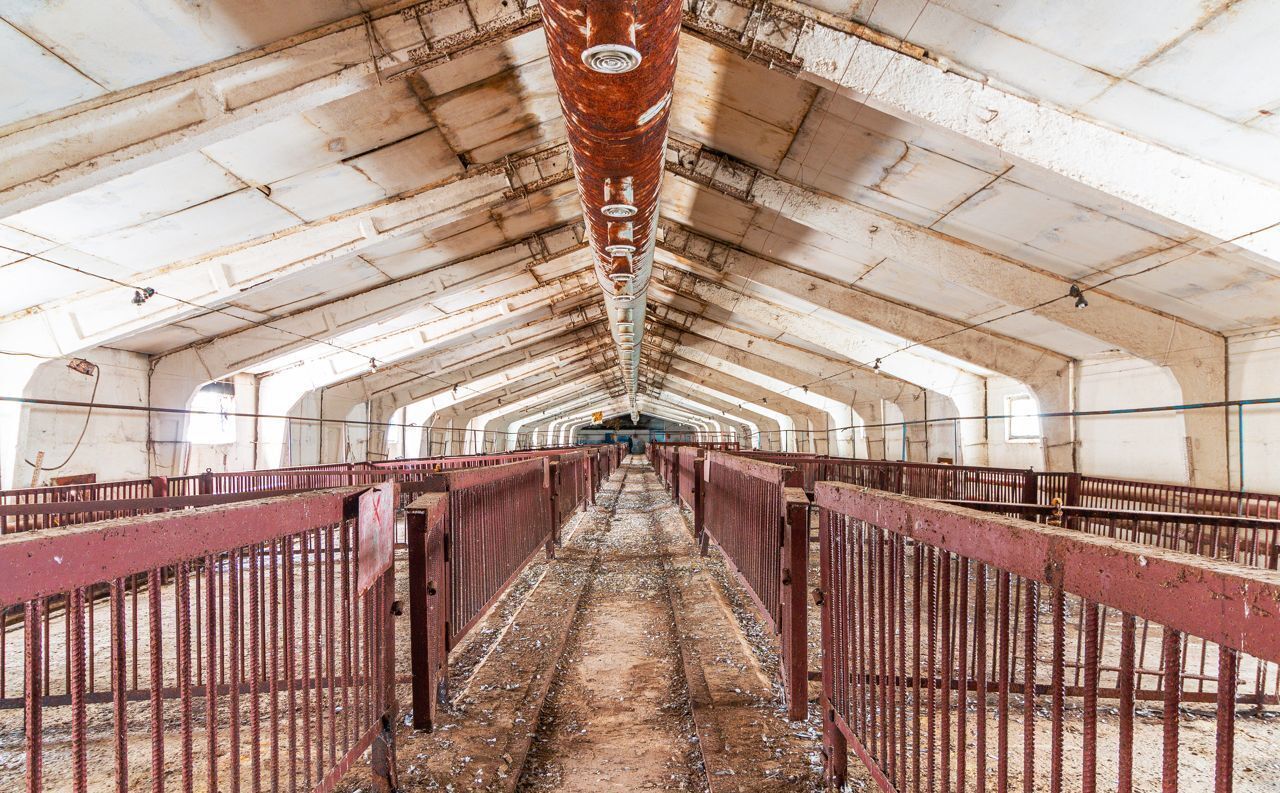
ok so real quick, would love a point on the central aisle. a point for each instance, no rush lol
(619, 709)
(621, 665)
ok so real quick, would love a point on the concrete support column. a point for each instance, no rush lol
(869, 441)
(1208, 457)
(341, 442)
(381, 408)
(973, 433)
(1054, 393)
(172, 385)
(460, 440)
(913, 409)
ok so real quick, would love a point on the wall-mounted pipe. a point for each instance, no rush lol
(614, 63)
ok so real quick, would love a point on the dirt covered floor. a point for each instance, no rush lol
(620, 665)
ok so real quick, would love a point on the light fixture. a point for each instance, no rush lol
(1079, 296)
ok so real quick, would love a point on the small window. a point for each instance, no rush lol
(213, 424)
(1023, 423)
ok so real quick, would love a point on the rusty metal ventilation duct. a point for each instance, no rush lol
(615, 64)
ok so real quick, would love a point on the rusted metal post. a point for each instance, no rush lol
(1030, 492)
(699, 499)
(591, 479)
(553, 505)
(675, 476)
(835, 747)
(426, 526)
(382, 757)
(159, 489)
(206, 483)
(795, 581)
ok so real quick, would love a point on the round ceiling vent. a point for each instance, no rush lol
(618, 210)
(611, 58)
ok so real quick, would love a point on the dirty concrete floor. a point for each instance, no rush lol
(627, 663)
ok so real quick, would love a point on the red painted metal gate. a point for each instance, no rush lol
(953, 639)
(760, 521)
(259, 634)
(463, 554)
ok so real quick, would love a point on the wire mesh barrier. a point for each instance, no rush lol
(760, 522)
(243, 646)
(463, 554)
(970, 651)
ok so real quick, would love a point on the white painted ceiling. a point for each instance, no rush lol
(414, 215)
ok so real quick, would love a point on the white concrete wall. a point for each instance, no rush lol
(304, 436)
(115, 441)
(1140, 446)
(943, 436)
(236, 456)
(1254, 369)
(1002, 452)
(1148, 446)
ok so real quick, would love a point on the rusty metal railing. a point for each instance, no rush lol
(269, 621)
(758, 517)
(571, 491)
(688, 461)
(64, 505)
(952, 640)
(1027, 492)
(464, 551)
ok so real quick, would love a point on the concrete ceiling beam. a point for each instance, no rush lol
(737, 266)
(187, 287)
(1141, 331)
(901, 79)
(85, 145)
(240, 349)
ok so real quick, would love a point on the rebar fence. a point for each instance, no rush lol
(463, 554)
(963, 650)
(689, 460)
(757, 515)
(63, 505)
(571, 490)
(1139, 511)
(239, 647)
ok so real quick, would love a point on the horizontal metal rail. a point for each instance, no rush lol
(759, 519)
(952, 639)
(269, 621)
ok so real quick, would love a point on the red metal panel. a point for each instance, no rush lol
(428, 605)
(990, 604)
(201, 608)
(761, 526)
